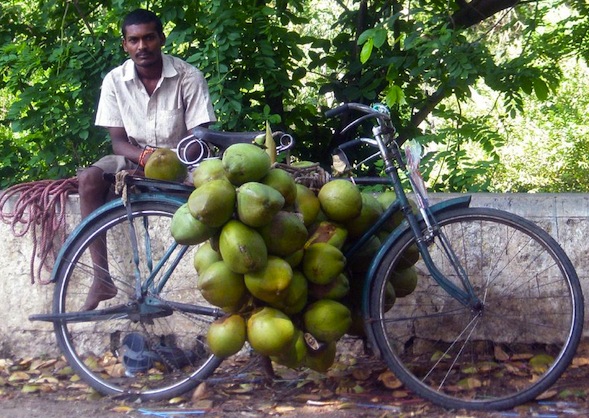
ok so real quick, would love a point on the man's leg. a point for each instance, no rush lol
(93, 190)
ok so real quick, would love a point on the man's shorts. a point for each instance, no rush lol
(115, 163)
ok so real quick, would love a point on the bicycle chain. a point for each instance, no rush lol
(154, 345)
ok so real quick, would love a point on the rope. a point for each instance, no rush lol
(39, 209)
(121, 187)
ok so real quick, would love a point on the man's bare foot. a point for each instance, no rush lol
(101, 289)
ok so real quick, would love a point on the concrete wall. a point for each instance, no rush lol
(565, 216)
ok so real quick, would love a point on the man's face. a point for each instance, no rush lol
(143, 43)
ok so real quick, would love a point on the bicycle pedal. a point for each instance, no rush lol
(136, 356)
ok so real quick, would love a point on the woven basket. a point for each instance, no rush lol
(312, 176)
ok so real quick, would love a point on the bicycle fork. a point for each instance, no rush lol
(393, 163)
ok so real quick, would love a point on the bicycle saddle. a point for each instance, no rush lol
(224, 139)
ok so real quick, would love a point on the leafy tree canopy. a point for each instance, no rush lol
(287, 62)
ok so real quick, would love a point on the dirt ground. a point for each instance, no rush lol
(356, 386)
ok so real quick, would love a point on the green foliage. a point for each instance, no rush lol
(53, 69)
(286, 63)
(430, 62)
(548, 149)
(251, 59)
(464, 155)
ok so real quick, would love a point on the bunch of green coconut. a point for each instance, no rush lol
(271, 257)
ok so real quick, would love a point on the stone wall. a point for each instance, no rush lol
(565, 216)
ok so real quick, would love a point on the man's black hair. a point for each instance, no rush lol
(140, 17)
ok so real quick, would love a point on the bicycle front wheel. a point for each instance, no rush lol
(147, 344)
(506, 351)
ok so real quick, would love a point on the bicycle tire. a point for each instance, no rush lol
(177, 358)
(507, 353)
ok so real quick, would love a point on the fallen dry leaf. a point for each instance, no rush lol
(47, 363)
(92, 363)
(46, 379)
(551, 393)
(19, 376)
(307, 397)
(48, 388)
(282, 409)
(470, 383)
(204, 404)
(541, 362)
(544, 359)
(522, 356)
(35, 365)
(93, 396)
(580, 361)
(177, 400)
(77, 386)
(389, 380)
(398, 394)
(123, 409)
(361, 374)
(32, 388)
(439, 355)
(65, 371)
(346, 405)
(26, 362)
(487, 366)
(470, 370)
(115, 370)
(200, 392)
(5, 363)
(500, 355)
(243, 388)
(155, 376)
(517, 369)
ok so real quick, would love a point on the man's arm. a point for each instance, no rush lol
(122, 146)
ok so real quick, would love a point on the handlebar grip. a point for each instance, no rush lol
(337, 111)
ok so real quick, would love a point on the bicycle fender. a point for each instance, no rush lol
(107, 207)
(450, 204)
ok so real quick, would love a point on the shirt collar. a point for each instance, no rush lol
(168, 69)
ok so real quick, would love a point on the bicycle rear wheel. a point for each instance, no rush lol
(496, 356)
(152, 346)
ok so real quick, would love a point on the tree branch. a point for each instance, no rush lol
(83, 17)
(475, 11)
(431, 102)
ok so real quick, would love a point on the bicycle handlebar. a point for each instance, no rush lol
(377, 110)
(331, 113)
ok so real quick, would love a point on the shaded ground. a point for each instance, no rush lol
(356, 386)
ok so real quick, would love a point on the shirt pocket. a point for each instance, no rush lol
(170, 127)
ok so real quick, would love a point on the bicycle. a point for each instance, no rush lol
(457, 339)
